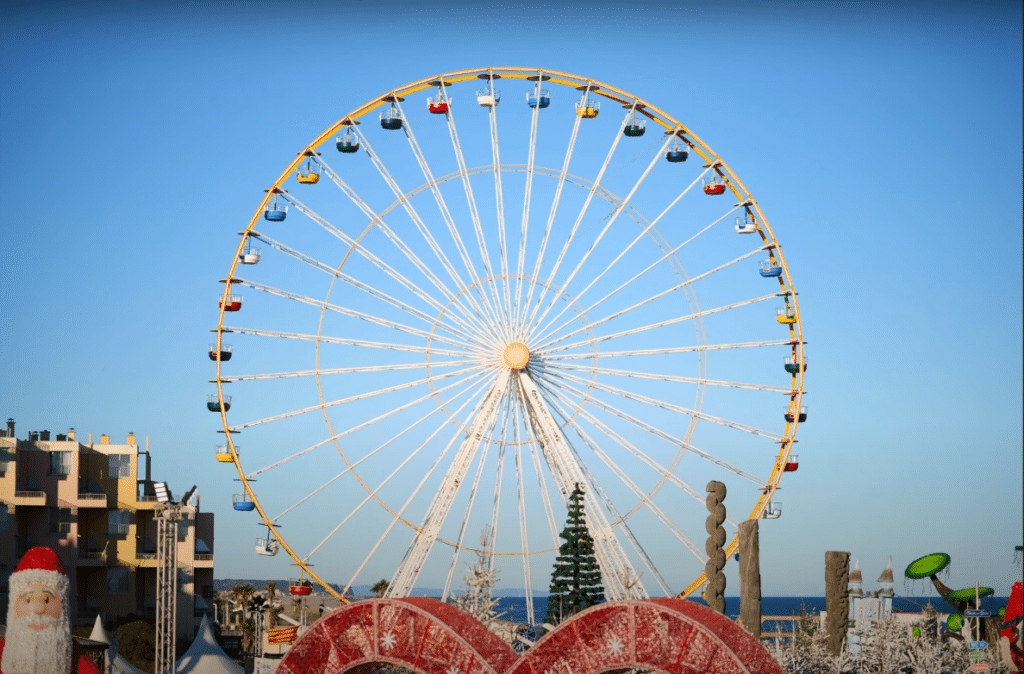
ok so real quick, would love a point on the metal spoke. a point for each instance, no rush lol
(344, 370)
(645, 499)
(339, 340)
(551, 214)
(397, 517)
(373, 452)
(651, 326)
(527, 195)
(373, 494)
(352, 313)
(579, 219)
(361, 396)
(611, 221)
(679, 379)
(477, 479)
(672, 349)
(398, 242)
(419, 549)
(608, 504)
(668, 406)
(638, 238)
(661, 434)
(443, 208)
(652, 298)
(417, 221)
(466, 333)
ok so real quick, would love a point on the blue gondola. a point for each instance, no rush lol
(677, 154)
(535, 101)
(391, 118)
(275, 212)
(241, 503)
(770, 268)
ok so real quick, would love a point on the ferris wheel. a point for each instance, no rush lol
(452, 307)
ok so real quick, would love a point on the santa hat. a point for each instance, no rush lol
(40, 565)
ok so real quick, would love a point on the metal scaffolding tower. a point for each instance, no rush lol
(167, 517)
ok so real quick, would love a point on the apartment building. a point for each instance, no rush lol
(94, 504)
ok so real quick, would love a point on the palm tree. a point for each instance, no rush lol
(380, 588)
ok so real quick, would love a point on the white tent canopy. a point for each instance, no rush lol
(205, 656)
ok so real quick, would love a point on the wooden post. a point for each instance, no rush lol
(837, 599)
(750, 578)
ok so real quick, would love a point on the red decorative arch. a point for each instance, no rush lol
(670, 636)
(425, 635)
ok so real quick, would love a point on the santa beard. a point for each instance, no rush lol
(29, 651)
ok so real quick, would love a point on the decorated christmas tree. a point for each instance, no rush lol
(576, 579)
(478, 599)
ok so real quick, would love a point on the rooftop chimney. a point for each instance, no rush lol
(104, 439)
(44, 435)
(131, 438)
(71, 433)
(33, 436)
(10, 428)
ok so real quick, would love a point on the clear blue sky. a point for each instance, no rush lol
(882, 141)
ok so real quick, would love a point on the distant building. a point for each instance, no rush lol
(94, 505)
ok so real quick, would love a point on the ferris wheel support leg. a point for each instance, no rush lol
(615, 567)
(405, 576)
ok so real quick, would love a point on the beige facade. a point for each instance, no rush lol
(93, 503)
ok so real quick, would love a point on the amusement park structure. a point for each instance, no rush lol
(481, 325)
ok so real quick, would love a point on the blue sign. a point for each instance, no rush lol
(977, 613)
(974, 645)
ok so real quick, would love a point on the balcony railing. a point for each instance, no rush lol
(204, 556)
(147, 497)
(30, 494)
(145, 555)
(91, 555)
(89, 496)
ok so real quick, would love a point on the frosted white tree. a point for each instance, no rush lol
(886, 647)
(478, 598)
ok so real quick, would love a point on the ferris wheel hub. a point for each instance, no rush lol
(516, 355)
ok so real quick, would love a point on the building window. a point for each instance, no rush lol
(118, 522)
(183, 530)
(5, 522)
(60, 520)
(60, 464)
(119, 465)
(5, 458)
(117, 580)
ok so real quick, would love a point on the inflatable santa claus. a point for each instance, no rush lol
(38, 639)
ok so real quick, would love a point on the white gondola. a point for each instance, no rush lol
(266, 546)
(250, 255)
(744, 225)
(773, 512)
(488, 96)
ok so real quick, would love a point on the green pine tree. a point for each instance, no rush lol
(576, 579)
